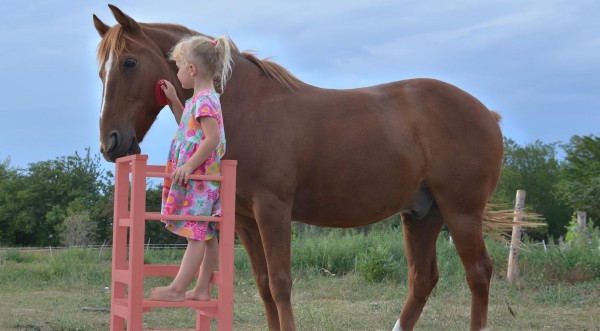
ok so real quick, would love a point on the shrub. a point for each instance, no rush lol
(577, 261)
(18, 257)
(77, 230)
(377, 263)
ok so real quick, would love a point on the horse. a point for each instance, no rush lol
(331, 158)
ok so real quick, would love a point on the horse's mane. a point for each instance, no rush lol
(113, 41)
(273, 70)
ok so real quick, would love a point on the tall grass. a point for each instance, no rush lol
(341, 251)
(577, 261)
(63, 268)
(376, 256)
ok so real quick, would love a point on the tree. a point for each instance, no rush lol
(580, 179)
(77, 230)
(34, 202)
(535, 169)
(11, 215)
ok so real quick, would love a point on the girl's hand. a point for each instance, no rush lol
(169, 90)
(182, 174)
(171, 94)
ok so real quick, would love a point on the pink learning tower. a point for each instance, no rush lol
(128, 270)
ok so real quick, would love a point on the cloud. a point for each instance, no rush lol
(534, 61)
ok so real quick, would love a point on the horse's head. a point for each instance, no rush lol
(131, 57)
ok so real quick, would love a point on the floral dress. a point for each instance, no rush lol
(198, 198)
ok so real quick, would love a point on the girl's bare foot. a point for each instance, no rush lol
(197, 295)
(166, 293)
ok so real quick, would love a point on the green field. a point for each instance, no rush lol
(559, 290)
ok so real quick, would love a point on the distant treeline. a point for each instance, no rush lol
(69, 200)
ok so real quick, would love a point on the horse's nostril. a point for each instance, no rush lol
(113, 141)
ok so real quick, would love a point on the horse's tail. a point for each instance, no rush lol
(496, 115)
(498, 224)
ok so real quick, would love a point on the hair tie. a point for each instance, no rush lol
(215, 42)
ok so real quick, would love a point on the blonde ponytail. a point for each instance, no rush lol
(213, 54)
(225, 61)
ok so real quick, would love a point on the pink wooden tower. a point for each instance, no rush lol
(128, 269)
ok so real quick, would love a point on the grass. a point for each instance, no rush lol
(44, 292)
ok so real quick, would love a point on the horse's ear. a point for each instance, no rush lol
(100, 26)
(128, 23)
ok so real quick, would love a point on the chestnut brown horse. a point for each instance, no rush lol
(331, 158)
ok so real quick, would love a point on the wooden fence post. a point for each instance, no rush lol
(513, 257)
(581, 222)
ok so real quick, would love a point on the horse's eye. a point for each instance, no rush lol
(129, 64)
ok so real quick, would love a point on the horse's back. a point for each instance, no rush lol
(415, 115)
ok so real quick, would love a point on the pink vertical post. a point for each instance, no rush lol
(136, 241)
(119, 252)
(226, 246)
(202, 321)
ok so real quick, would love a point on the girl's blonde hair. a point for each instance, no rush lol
(214, 55)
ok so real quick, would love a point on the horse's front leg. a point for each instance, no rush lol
(247, 231)
(274, 221)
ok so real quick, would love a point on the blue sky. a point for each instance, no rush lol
(536, 62)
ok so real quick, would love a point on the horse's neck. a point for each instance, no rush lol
(166, 36)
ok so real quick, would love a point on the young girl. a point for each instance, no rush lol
(197, 148)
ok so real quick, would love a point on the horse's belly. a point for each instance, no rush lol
(346, 199)
(361, 177)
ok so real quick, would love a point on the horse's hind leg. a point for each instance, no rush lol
(249, 235)
(467, 235)
(420, 236)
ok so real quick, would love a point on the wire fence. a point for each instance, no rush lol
(183, 246)
(93, 247)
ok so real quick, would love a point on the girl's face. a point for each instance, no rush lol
(184, 74)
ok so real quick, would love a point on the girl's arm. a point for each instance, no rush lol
(176, 109)
(212, 137)
(171, 93)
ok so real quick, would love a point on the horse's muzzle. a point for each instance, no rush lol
(119, 146)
